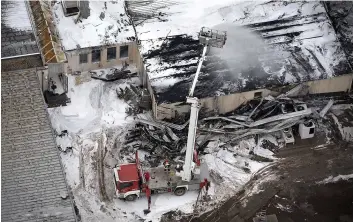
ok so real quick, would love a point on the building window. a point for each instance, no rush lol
(96, 55)
(257, 94)
(111, 53)
(124, 51)
(83, 58)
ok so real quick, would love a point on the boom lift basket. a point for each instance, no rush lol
(213, 38)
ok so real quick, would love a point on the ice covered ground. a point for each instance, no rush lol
(94, 109)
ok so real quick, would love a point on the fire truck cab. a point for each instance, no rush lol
(127, 181)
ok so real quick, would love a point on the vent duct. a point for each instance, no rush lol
(71, 7)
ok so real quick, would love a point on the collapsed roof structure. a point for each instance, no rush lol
(298, 45)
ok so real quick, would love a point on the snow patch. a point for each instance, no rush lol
(112, 28)
(94, 104)
(234, 166)
(14, 15)
(335, 179)
(346, 131)
(286, 208)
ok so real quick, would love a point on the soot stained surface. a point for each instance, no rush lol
(297, 49)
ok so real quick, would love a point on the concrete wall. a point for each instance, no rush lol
(73, 58)
(228, 103)
(220, 104)
(150, 90)
(43, 78)
(337, 84)
(142, 71)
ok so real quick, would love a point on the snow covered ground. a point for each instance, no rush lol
(96, 109)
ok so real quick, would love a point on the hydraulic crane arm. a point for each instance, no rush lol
(191, 93)
(194, 113)
(207, 37)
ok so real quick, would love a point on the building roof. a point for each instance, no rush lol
(128, 172)
(17, 36)
(341, 14)
(106, 24)
(269, 44)
(33, 186)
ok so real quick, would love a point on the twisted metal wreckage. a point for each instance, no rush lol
(256, 117)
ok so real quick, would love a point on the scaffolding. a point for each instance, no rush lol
(45, 34)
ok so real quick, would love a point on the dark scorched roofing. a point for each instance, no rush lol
(298, 48)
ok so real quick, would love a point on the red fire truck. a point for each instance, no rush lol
(132, 181)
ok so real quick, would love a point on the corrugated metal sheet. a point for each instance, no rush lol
(17, 36)
(33, 182)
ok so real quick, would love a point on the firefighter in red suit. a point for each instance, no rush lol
(205, 184)
(147, 176)
(166, 165)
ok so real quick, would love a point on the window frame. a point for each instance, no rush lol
(80, 59)
(127, 52)
(258, 94)
(123, 185)
(110, 48)
(100, 55)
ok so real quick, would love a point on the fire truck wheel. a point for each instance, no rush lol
(180, 191)
(131, 197)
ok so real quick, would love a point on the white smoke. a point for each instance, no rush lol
(243, 48)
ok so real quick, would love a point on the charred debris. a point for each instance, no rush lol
(286, 119)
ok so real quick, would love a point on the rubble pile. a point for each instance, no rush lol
(137, 99)
(156, 138)
(281, 117)
(260, 116)
(114, 74)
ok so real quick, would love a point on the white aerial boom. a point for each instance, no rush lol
(207, 37)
